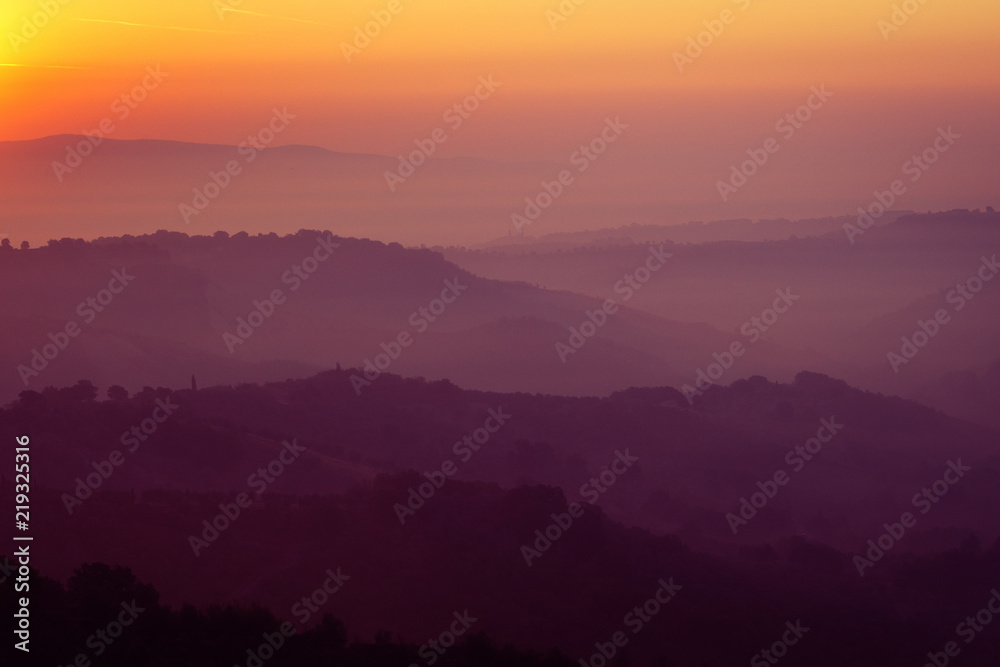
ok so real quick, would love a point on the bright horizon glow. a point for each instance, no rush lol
(230, 62)
(227, 62)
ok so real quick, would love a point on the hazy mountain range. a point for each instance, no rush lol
(189, 293)
(139, 186)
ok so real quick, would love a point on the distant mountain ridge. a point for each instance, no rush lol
(743, 229)
(857, 299)
(193, 300)
(137, 186)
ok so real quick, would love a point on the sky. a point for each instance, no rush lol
(563, 68)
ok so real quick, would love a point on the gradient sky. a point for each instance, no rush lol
(608, 58)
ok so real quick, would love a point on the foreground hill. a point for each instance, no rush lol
(548, 519)
(462, 557)
(690, 467)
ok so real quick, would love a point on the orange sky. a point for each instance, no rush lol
(226, 73)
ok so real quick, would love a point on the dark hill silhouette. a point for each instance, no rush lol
(230, 634)
(695, 462)
(462, 554)
(189, 292)
(661, 522)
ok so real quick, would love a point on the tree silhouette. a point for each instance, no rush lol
(116, 392)
(84, 390)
